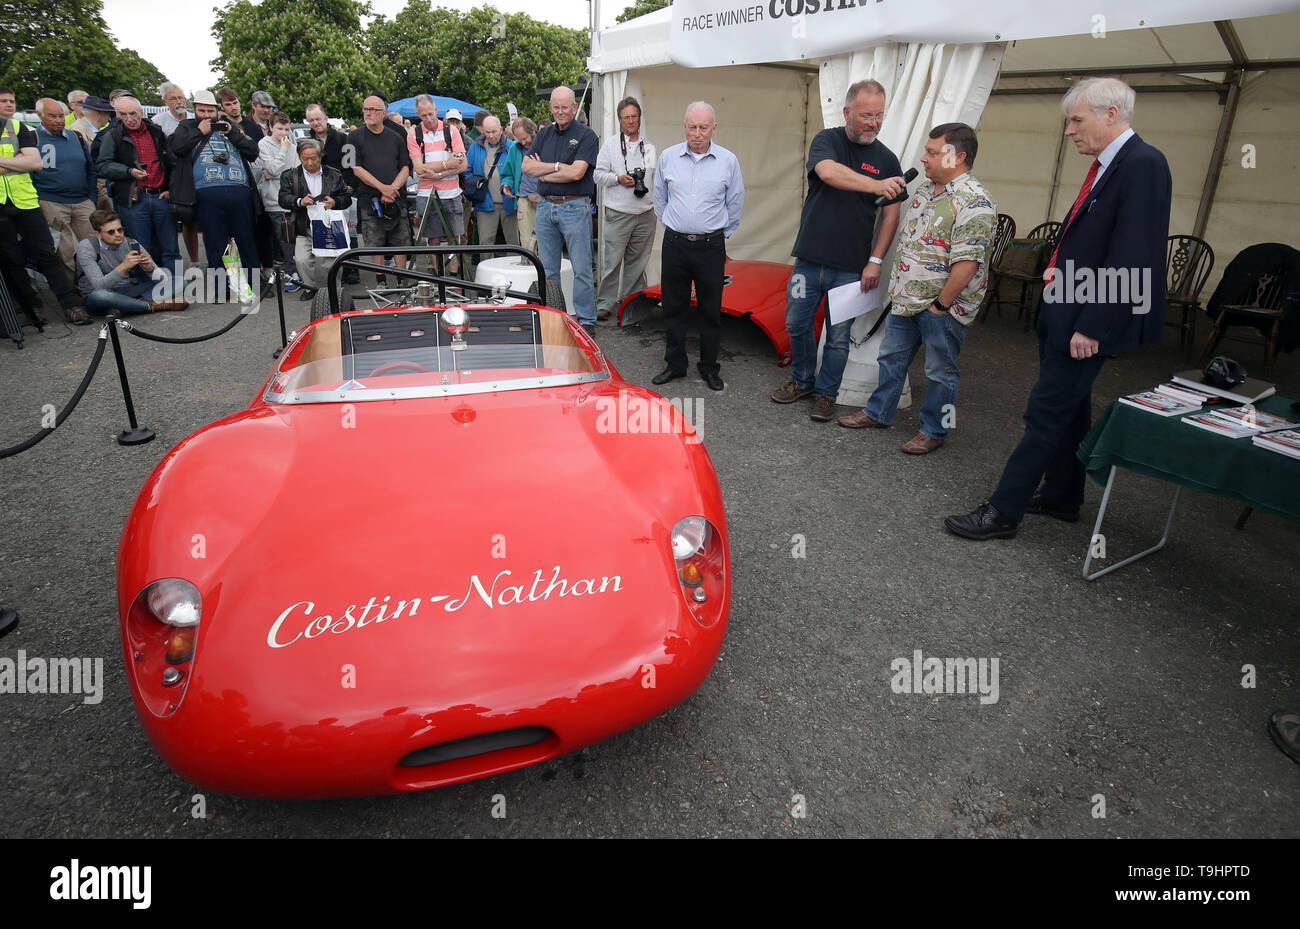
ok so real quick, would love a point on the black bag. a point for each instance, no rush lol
(476, 191)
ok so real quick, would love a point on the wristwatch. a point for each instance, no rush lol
(940, 305)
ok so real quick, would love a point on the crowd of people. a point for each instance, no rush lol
(117, 188)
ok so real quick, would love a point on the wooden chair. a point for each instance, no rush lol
(1028, 282)
(1189, 263)
(1255, 298)
(1003, 233)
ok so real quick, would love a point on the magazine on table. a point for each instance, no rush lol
(1186, 394)
(1158, 403)
(1248, 391)
(1285, 441)
(1238, 422)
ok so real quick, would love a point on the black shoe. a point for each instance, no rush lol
(712, 379)
(666, 375)
(307, 294)
(982, 524)
(350, 276)
(8, 620)
(1041, 507)
(590, 329)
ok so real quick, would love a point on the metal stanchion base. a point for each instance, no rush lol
(137, 436)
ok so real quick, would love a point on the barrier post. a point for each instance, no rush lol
(136, 434)
(279, 300)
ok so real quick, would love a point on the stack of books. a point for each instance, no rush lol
(1248, 391)
(1240, 421)
(1169, 400)
(1284, 441)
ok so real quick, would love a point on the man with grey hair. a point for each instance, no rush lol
(848, 169)
(625, 168)
(562, 158)
(699, 196)
(76, 99)
(67, 185)
(95, 115)
(136, 165)
(1104, 294)
(176, 113)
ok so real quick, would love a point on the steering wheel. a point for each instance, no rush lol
(389, 367)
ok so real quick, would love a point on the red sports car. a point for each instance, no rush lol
(442, 542)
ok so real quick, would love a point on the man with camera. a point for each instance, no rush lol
(381, 169)
(212, 180)
(133, 160)
(624, 168)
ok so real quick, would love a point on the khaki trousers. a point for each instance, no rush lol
(72, 222)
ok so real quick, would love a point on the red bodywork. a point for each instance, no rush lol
(531, 547)
(753, 290)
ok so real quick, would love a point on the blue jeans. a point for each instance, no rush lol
(131, 298)
(809, 281)
(151, 223)
(942, 336)
(568, 223)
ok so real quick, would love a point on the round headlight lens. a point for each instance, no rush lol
(689, 536)
(175, 602)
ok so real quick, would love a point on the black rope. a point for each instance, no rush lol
(71, 404)
(123, 324)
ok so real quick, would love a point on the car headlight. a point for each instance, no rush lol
(161, 631)
(701, 563)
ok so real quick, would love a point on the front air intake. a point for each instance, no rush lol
(475, 745)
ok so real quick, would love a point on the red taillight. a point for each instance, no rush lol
(162, 628)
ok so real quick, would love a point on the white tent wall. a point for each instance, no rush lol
(767, 115)
(1019, 138)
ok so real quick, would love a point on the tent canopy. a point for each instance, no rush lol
(406, 106)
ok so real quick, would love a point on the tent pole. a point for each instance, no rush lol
(1056, 177)
(1237, 81)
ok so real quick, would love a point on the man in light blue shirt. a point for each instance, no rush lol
(699, 196)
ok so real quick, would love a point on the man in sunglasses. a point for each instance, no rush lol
(116, 274)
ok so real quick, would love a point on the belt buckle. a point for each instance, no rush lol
(691, 237)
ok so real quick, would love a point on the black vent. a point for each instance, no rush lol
(475, 745)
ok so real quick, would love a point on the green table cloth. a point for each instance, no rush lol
(1167, 448)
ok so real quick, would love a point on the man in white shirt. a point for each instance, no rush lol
(624, 168)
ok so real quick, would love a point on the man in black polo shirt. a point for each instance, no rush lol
(847, 170)
(382, 166)
(562, 159)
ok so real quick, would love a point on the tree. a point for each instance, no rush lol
(301, 52)
(68, 46)
(640, 8)
(483, 56)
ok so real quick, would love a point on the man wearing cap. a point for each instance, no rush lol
(212, 178)
(20, 215)
(133, 160)
(95, 114)
(562, 159)
(263, 107)
(458, 123)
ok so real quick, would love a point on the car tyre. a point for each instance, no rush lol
(554, 294)
(320, 304)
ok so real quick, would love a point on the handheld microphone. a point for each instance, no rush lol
(907, 179)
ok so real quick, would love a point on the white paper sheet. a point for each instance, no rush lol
(849, 302)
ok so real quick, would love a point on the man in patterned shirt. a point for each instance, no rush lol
(940, 273)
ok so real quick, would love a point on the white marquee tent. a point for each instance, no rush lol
(1220, 98)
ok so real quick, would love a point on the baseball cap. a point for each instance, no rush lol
(98, 104)
(205, 97)
(454, 113)
(262, 98)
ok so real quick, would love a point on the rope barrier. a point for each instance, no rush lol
(71, 404)
(123, 324)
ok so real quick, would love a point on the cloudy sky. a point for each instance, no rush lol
(180, 44)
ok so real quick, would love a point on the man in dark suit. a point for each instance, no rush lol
(1104, 294)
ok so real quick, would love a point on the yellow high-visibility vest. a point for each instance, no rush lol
(16, 188)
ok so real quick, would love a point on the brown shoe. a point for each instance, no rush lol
(823, 410)
(603, 314)
(166, 306)
(77, 316)
(860, 420)
(922, 444)
(790, 391)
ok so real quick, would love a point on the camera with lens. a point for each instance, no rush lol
(221, 123)
(638, 186)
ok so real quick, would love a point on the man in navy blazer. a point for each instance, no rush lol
(1104, 294)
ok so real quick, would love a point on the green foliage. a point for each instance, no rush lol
(49, 49)
(301, 52)
(484, 56)
(640, 8)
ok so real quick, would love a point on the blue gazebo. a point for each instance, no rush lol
(406, 107)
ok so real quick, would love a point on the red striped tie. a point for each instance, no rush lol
(1078, 202)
